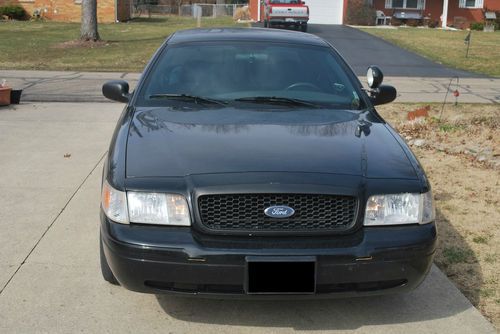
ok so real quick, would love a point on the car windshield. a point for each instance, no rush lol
(247, 73)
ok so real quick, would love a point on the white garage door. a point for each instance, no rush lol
(325, 11)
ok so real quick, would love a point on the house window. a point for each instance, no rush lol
(411, 4)
(398, 3)
(406, 4)
(471, 4)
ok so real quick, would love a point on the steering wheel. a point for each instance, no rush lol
(304, 84)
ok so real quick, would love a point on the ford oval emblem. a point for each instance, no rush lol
(279, 211)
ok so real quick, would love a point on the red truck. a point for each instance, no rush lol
(287, 13)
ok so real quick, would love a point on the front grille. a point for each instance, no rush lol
(245, 212)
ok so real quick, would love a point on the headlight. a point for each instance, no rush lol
(114, 204)
(158, 208)
(397, 209)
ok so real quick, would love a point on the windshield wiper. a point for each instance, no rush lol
(278, 100)
(187, 97)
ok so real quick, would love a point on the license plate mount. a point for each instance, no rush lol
(280, 275)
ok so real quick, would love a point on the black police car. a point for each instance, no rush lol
(251, 162)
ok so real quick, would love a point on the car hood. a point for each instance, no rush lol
(166, 142)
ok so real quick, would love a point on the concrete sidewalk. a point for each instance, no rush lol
(49, 252)
(51, 86)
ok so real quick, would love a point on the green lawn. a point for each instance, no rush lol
(448, 47)
(37, 45)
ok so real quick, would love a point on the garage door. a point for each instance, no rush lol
(325, 11)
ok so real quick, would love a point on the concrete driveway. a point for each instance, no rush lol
(49, 269)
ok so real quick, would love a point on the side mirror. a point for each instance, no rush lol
(379, 94)
(374, 76)
(383, 94)
(116, 90)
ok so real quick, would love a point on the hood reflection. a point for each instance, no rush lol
(152, 120)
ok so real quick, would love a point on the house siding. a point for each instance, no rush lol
(254, 9)
(70, 10)
(471, 14)
(123, 10)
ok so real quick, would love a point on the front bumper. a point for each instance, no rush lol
(289, 20)
(371, 261)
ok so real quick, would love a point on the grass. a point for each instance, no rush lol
(449, 127)
(457, 255)
(466, 192)
(490, 258)
(128, 47)
(480, 239)
(448, 47)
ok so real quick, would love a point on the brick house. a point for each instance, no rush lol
(458, 12)
(335, 11)
(70, 10)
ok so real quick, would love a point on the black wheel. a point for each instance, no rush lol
(107, 274)
(266, 24)
(303, 28)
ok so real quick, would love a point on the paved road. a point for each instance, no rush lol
(361, 50)
(49, 269)
(54, 86)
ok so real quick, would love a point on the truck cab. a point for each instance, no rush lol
(288, 13)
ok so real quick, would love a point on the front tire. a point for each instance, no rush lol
(303, 27)
(106, 272)
(266, 25)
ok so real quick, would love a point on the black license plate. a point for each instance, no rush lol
(281, 275)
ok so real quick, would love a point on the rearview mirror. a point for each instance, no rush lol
(383, 94)
(116, 90)
(374, 76)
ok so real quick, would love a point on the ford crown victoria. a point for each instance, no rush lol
(252, 163)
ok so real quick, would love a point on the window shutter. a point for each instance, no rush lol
(461, 4)
(479, 3)
(388, 3)
(421, 4)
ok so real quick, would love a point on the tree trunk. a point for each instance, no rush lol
(88, 30)
(220, 9)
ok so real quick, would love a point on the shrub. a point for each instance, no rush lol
(433, 24)
(477, 26)
(242, 13)
(360, 12)
(413, 23)
(14, 12)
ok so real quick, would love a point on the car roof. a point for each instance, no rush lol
(245, 34)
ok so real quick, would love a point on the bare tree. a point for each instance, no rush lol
(220, 10)
(178, 3)
(88, 31)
